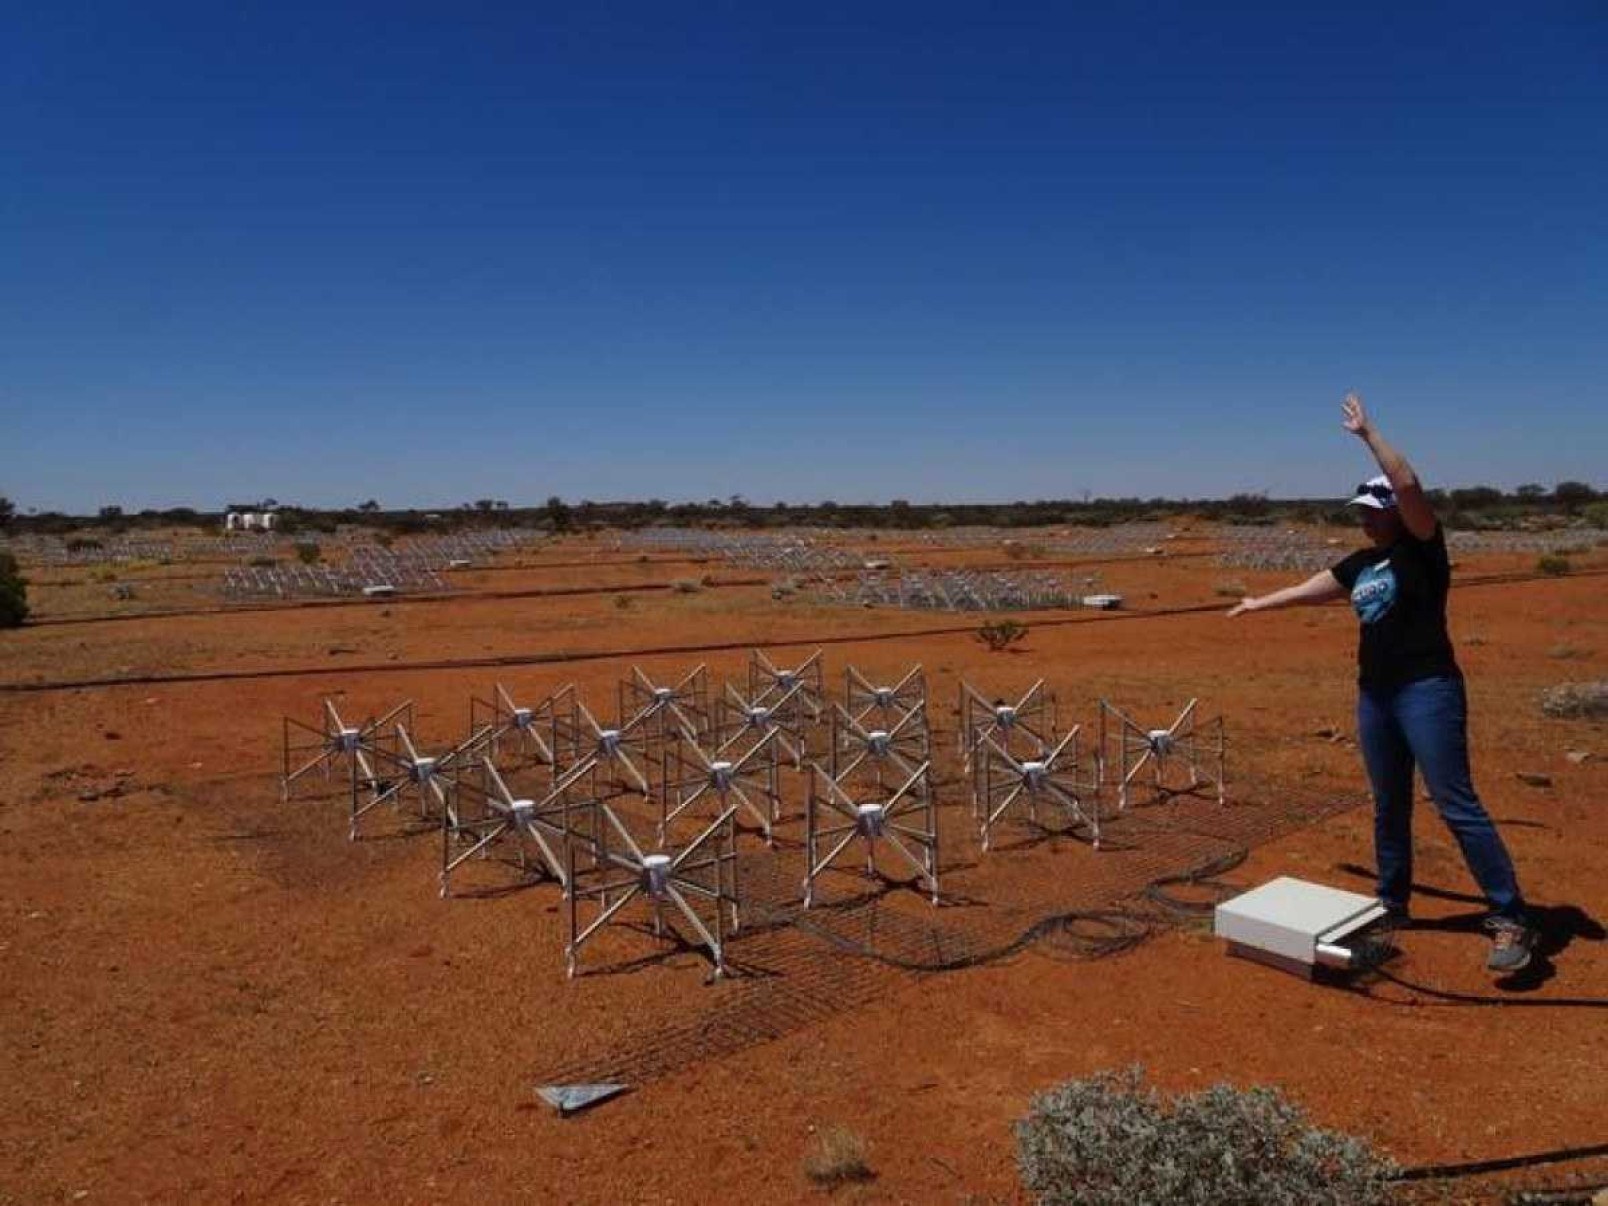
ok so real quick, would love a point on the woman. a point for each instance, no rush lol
(1411, 706)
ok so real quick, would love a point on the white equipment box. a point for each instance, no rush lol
(1293, 925)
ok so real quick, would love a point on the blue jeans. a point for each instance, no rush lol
(1427, 722)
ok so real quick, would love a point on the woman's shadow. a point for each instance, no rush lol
(1557, 926)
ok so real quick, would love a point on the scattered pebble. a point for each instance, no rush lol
(1533, 778)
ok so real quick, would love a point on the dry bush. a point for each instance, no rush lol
(13, 593)
(1112, 1140)
(1233, 589)
(1575, 700)
(1001, 634)
(1553, 564)
(686, 586)
(624, 602)
(1565, 652)
(837, 1156)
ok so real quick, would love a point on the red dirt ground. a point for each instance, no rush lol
(206, 994)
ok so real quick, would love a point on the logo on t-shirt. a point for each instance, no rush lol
(1374, 592)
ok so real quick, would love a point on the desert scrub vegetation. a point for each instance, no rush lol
(13, 593)
(837, 1156)
(1110, 1140)
(686, 586)
(1573, 701)
(1553, 564)
(1001, 634)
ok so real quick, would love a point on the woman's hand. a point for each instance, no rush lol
(1352, 417)
(1244, 605)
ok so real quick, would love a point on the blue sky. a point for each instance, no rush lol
(969, 252)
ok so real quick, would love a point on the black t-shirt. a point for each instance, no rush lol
(1399, 594)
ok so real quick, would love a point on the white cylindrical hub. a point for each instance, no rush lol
(347, 740)
(871, 819)
(1005, 715)
(1161, 741)
(656, 875)
(877, 741)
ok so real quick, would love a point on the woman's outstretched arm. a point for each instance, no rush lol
(1319, 588)
(1416, 512)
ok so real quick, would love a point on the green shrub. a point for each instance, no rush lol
(1596, 514)
(1110, 1139)
(308, 551)
(1551, 563)
(13, 593)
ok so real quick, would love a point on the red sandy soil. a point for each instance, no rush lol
(206, 994)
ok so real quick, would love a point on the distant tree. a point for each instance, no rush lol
(484, 505)
(13, 593)
(8, 512)
(369, 507)
(1470, 497)
(558, 514)
(110, 514)
(1531, 491)
(1571, 496)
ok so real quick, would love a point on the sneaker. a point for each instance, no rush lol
(1394, 921)
(1510, 944)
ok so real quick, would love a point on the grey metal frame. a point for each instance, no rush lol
(881, 707)
(534, 730)
(405, 772)
(835, 818)
(751, 778)
(305, 748)
(736, 715)
(1052, 778)
(622, 872)
(1181, 742)
(667, 712)
(489, 813)
(1025, 729)
(804, 686)
(856, 749)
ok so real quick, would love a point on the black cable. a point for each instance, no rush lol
(1451, 998)
(1475, 1168)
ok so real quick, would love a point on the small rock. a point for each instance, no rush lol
(112, 735)
(1533, 779)
(1576, 757)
